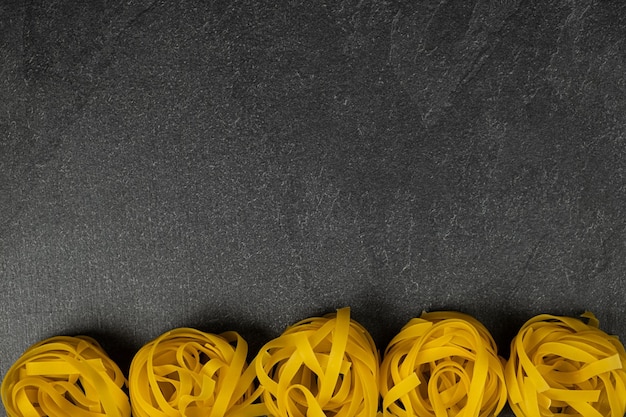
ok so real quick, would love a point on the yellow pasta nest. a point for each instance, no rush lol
(186, 372)
(442, 364)
(65, 376)
(564, 366)
(322, 366)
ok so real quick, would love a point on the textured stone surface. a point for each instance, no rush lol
(238, 166)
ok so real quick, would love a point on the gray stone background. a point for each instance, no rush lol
(241, 165)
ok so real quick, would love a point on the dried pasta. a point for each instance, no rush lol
(186, 372)
(319, 367)
(65, 376)
(442, 364)
(561, 366)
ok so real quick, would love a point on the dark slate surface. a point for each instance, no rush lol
(237, 166)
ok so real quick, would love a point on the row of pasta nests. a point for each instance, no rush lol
(440, 364)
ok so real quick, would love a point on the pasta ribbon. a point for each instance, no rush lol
(186, 372)
(65, 376)
(320, 367)
(442, 364)
(564, 366)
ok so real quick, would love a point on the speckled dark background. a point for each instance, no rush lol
(234, 165)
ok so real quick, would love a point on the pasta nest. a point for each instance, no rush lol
(186, 372)
(564, 366)
(442, 364)
(65, 376)
(320, 367)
